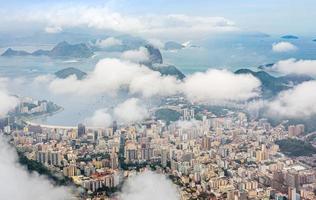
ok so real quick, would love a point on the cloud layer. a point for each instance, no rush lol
(131, 110)
(283, 47)
(149, 185)
(296, 102)
(101, 118)
(16, 183)
(7, 101)
(219, 85)
(113, 75)
(140, 55)
(293, 66)
(56, 18)
(108, 42)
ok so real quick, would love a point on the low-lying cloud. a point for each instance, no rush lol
(296, 102)
(281, 47)
(218, 85)
(149, 185)
(187, 124)
(7, 101)
(130, 110)
(140, 55)
(293, 66)
(16, 183)
(112, 75)
(100, 118)
(108, 42)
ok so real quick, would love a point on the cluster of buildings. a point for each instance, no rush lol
(217, 157)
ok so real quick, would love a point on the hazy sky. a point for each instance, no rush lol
(271, 16)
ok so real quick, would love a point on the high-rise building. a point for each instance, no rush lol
(81, 130)
(164, 157)
(206, 143)
(291, 130)
(299, 129)
(114, 126)
(292, 193)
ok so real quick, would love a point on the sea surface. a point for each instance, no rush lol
(230, 53)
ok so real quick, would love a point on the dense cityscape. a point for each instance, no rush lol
(157, 100)
(225, 156)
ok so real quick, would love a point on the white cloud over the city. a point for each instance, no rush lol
(283, 47)
(170, 26)
(293, 66)
(220, 85)
(131, 110)
(149, 185)
(16, 183)
(7, 101)
(154, 84)
(296, 102)
(187, 124)
(108, 42)
(111, 75)
(100, 118)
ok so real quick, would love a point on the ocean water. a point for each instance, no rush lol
(230, 53)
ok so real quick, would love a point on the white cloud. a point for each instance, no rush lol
(16, 183)
(149, 185)
(220, 85)
(156, 43)
(108, 42)
(111, 75)
(185, 124)
(307, 67)
(53, 29)
(296, 102)
(130, 110)
(7, 101)
(153, 84)
(283, 47)
(100, 118)
(140, 55)
(173, 26)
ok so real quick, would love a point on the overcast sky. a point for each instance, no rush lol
(268, 16)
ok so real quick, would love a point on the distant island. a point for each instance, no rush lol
(266, 66)
(155, 63)
(155, 56)
(61, 50)
(168, 70)
(314, 40)
(171, 45)
(65, 73)
(290, 37)
(271, 85)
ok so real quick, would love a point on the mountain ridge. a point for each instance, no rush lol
(62, 49)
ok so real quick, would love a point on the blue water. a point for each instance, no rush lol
(217, 52)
